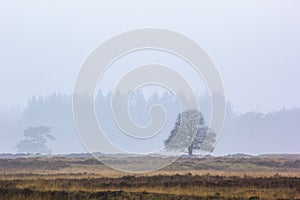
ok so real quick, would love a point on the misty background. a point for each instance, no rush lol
(255, 46)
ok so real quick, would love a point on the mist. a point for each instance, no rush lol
(254, 45)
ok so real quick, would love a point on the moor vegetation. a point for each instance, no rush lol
(230, 177)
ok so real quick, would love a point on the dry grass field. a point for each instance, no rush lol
(265, 177)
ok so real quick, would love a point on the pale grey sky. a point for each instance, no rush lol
(254, 44)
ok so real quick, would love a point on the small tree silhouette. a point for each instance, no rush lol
(190, 134)
(35, 140)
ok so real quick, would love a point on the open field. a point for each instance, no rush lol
(232, 177)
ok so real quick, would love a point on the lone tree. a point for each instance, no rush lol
(35, 140)
(190, 134)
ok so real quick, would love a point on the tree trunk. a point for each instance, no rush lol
(190, 149)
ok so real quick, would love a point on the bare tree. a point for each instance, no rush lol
(190, 134)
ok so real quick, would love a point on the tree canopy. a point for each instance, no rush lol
(35, 140)
(190, 134)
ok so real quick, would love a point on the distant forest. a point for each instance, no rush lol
(251, 132)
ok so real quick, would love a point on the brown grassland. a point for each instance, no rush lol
(187, 178)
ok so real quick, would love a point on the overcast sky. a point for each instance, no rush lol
(254, 44)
